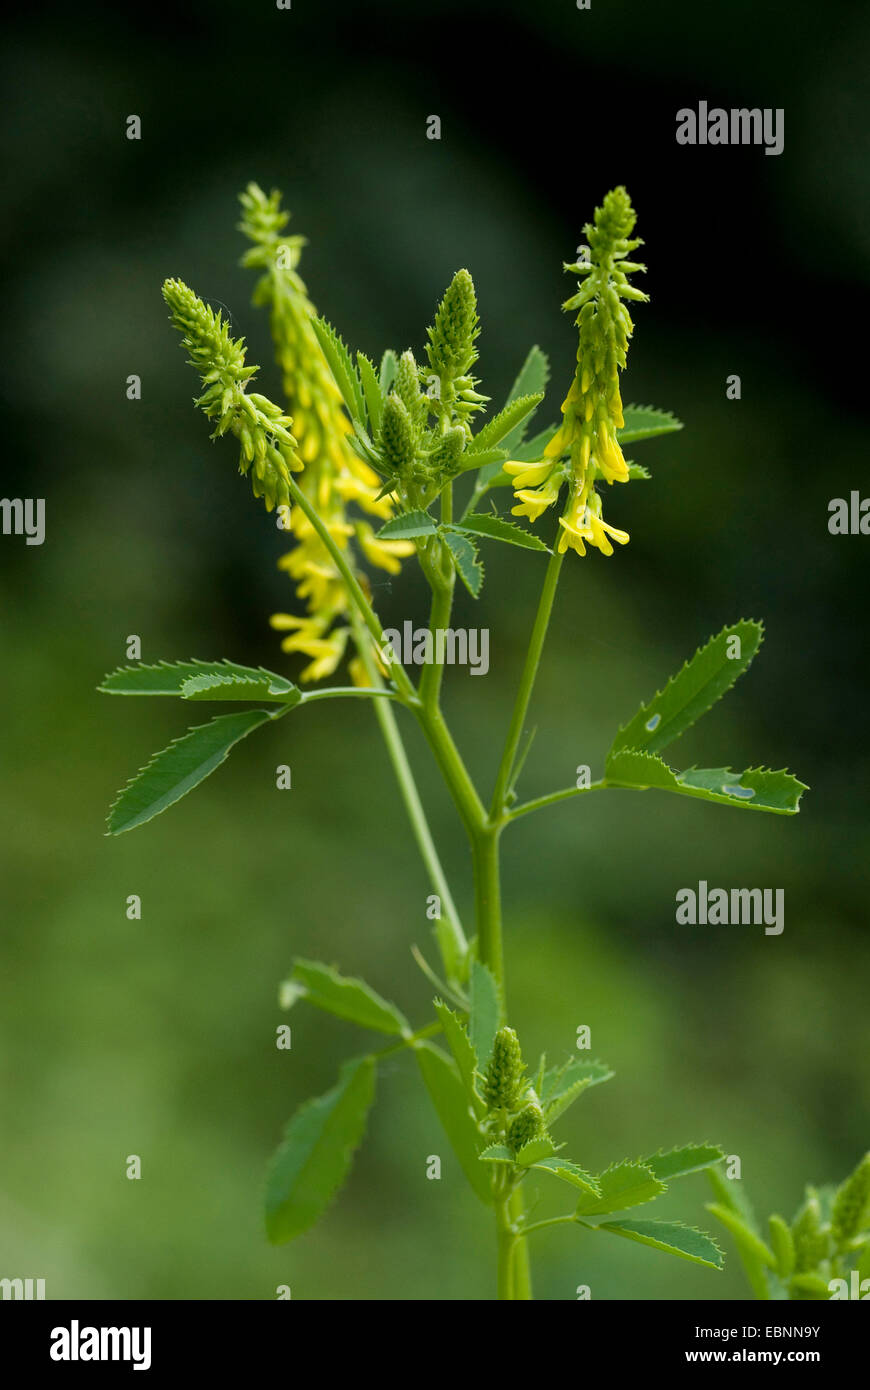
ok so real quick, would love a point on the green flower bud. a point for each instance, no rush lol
(444, 459)
(525, 1126)
(849, 1214)
(407, 388)
(504, 1079)
(451, 348)
(810, 1239)
(398, 437)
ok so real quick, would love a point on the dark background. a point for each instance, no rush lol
(156, 1038)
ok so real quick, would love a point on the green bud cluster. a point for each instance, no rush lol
(262, 429)
(851, 1207)
(809, 1235)
(452, 353)
(504, 1081)
(526, 1125)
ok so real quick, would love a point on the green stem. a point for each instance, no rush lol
(527, 681)
(400, 676)
(411, 797)
(506, 1244)
(552, 797)
(487, 894)
(350, 692)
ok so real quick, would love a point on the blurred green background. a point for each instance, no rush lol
(157, 1037)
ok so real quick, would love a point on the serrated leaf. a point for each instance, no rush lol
(485, 1013)
(408, 525)
(485, 461)
(531, 380)
(465, 559)
(506, 421)
(221, 687)
(637, 472)
(689, 694)
(676, 1163)
(339, 361)
(747, 1238)
(623, 1185)
(175, 771)
(372, 392)
(570, 1173)
(536, 1150)
(169, 677)
(346, 997)
(671, 1236)
(447, 1093)
(496, 528)
(496, 1153)
(456, 1036)
(317, 1151)
(644, 422)
(562, 1085)
(756, 789)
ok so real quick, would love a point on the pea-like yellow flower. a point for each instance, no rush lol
(592, 409)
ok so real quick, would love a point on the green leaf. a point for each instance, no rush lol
(562, 1085)
(623, 1185)
(485, 1013)
(496, 1153)
(221, 687)
(570, 1173)
(498, 529)
(701, 682)
(408, 525)
(460, 1044)
(676, 1163)
(637, 472)
(741, 1231)
(672, 1237)
(315, 1156)
(339, 361)
(169, 677)
(532, 380)
(175, 771)
(465, 559)
(810, 1287)
(486, 459)
(782, 1245)
(344, 996)
(864, 1264)
(506, 421)
(536, 1150)
(757, 789)
(372, 392)
(389, 367)
(449, 1098)
(644, 422)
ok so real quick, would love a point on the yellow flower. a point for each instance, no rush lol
(583, 524)
(534, 501)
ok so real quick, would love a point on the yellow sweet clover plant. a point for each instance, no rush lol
(368, 463)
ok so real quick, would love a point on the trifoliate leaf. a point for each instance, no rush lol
(562, 1085)
(317, 1151)
(460, 1044)
(644, 422)
(672, 1237)
(175, 771)
(372, 392)
(623, 1185)
(702, 681)
(344, 996)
